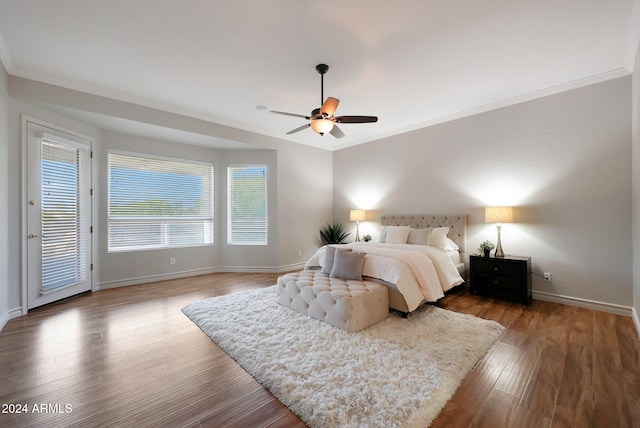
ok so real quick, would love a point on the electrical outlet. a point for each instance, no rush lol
(299, 253)
(547, 276)
(172, 260)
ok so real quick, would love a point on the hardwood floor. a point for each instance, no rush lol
(128, 357)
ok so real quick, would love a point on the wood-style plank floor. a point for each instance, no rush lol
(128, 357)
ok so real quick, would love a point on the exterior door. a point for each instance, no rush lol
(58, 215)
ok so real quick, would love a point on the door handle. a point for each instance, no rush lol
(33, 235)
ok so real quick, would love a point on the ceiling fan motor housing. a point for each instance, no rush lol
(322, 68)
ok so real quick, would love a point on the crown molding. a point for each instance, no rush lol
(541, 93)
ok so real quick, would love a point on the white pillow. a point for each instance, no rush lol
(437, 237)
(419, 236)
(450, 245)
(397, 234)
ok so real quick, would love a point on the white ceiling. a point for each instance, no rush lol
(413, 63)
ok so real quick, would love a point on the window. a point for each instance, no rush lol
(247, 204)
(157, 202)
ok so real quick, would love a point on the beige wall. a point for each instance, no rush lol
(305, 194)
(564, 161)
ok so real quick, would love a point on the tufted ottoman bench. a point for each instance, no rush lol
(343, 303)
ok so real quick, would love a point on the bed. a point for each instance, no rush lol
(418, 257)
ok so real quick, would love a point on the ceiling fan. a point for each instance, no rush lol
(322, 119)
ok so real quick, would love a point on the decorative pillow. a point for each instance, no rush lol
(329, 257)
(450, 245)
(419, 236)
(437, 237)
(347, 265)
(397, 234)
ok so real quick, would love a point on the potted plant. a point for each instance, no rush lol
(333, 234)
(486, 247)
(366, 238)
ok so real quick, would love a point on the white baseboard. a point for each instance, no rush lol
(154, 278)
(9, 315)
(584, 303)
(291, 267)
(185, 274)
(263, 269)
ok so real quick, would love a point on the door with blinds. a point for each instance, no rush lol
(58, 215)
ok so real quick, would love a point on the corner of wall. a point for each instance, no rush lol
(5, 313)
(9, 315)
(635, 112)
(636, 320)
(3, 320)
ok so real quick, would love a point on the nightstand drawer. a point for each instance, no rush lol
(498, 282)
(498, 267)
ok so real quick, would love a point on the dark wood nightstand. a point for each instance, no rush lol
(506, 277)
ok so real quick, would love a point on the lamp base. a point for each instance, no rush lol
(499, 252)
(357, 232)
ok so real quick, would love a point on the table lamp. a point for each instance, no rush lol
(498, 215)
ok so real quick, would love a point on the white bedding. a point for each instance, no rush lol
(454, 256)
(419, 272)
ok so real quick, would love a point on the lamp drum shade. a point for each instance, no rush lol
(498, 215)
(357, 215)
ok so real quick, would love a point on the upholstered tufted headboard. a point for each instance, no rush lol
(457, 225)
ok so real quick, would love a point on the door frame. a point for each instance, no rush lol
(24, 200)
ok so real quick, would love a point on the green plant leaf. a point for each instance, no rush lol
(333, 234)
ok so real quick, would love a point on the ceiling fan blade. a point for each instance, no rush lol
(299, 128)
(355, 119)
(336, 132)
(329, 107)
(290, 114)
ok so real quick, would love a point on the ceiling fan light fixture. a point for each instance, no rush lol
(322, 126)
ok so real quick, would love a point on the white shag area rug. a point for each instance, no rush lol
(399, 372)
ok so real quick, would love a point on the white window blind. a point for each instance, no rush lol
(157, 202)
(247, 204)
(65, 232)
